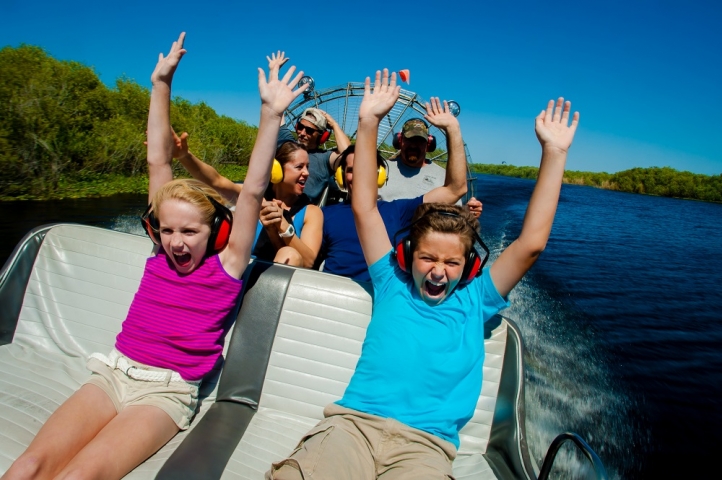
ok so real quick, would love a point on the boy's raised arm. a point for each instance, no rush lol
(276, 95)
(369, 224)
(555, 134)
(159, 131)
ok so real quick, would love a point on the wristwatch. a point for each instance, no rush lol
(290, 231)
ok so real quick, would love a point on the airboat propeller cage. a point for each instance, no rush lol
(342, 103)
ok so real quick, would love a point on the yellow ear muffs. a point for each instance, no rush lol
(276, 172)
(381, 179)
(339, 179)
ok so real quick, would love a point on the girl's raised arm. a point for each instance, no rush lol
(369, 224)
(160, 144)
(555, 135)
(276, 95)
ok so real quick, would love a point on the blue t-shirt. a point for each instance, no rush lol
(422, 365)
(340, 246)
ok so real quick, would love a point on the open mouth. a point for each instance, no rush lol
(434, 289)
(183, 259)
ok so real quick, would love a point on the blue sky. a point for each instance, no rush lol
(645, 75)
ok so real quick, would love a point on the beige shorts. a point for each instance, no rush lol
(353, 445)
(177, 399)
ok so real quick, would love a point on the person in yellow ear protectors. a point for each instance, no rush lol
(341, 252)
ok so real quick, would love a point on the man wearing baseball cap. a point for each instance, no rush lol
(310, 129)
(410, 173)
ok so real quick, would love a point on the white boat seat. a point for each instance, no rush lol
(79, 288)
(293, 351)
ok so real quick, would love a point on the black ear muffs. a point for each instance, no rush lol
(472, 266)
(430, 142)
(221, 225)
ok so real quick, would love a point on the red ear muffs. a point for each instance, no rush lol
(150, 225)
(403, 254)
(430, 142)
(220, 227)
(472, 266)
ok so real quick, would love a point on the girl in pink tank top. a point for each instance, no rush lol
(173, 334)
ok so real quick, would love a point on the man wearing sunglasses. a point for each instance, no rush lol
(312, 129)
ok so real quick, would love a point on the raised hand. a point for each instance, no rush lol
(378, 103)
(552, 125)
(277, 94)
(180, 144)
(474, 206)
(439, 116)
(277, 60)
(166, 66)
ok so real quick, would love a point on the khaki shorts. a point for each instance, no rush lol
(349, 444)
(177, 399)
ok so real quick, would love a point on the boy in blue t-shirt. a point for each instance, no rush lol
(420, 372)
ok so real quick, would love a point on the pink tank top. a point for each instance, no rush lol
(179, 321)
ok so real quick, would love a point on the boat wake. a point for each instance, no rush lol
(568, 384)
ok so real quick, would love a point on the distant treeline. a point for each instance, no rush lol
(60, 125)
(64, 133)
(664, 182)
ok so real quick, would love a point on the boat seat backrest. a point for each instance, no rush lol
(318, 341)
(80, 289)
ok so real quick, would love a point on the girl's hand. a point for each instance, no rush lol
(277, 94)
(166, 66)
(552, 127)
(376, 104)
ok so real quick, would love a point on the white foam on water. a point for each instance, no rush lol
(127, 224)
(568, 387)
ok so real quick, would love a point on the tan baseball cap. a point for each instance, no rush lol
(315, 116)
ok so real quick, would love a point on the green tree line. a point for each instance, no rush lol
(664, 181)
(65, 133)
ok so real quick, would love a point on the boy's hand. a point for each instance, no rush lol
(552, 127)
(277, 94)
(166, 66)
(277, 60)
(376, 104)
(438, 116)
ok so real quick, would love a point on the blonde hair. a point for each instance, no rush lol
(443, 218)
(191, 191)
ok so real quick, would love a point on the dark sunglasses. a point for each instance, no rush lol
(309, 131)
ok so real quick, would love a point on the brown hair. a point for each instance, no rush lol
(440, 217)
(191, 191)
(287, 151)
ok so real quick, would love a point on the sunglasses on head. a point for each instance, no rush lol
(309, 130)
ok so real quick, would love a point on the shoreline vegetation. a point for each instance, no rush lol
(65, 134)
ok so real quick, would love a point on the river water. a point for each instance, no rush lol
(620, 318)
